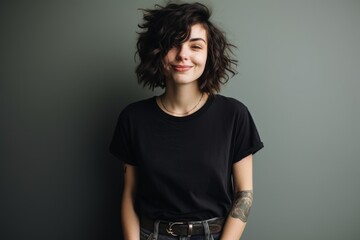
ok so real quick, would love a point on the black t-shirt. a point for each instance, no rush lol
(184, 164)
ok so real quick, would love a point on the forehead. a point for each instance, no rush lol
(198, 31)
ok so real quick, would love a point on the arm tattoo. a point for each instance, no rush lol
(241, 205)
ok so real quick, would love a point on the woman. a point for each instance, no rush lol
(188, 153)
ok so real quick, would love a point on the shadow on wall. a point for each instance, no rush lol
(64, 88)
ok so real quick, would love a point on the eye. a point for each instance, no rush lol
(196, 47)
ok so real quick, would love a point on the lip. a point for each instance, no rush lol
(181, 68)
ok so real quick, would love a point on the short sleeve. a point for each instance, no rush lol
(247, 139)
(121, 143)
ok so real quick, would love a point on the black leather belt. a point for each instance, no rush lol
(183, 228)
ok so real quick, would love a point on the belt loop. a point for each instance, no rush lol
(156, 230)
(206, 230)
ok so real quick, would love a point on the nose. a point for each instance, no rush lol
(182, 53)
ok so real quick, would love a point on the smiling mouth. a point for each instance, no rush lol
(181, 68)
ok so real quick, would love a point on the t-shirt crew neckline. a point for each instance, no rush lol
(195, 114)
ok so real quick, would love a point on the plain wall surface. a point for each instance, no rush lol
(67, 70)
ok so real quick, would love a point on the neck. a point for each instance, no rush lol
(183, 100)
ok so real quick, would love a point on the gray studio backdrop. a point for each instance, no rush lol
(67, 70)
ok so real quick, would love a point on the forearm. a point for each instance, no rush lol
(237, 218)
(233, 229)
(130, 220)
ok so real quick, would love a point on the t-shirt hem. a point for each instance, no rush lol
(246, 153)
(124, 160)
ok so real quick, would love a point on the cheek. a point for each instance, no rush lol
(168, 58)
(201, 60)
(166, 63)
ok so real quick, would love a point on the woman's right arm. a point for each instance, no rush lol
(129, 218)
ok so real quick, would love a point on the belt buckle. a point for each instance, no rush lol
(170, 230)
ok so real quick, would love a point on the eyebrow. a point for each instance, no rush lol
(197, 39)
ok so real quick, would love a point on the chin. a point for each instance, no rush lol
(184, 81)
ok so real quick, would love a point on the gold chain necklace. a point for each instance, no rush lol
(181, 114)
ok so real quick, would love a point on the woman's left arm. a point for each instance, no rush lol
(243, 197)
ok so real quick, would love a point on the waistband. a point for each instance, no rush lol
(183, 228)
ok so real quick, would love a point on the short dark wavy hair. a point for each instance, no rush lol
(169, 26)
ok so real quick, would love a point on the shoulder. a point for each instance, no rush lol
(230, 104)
(139, 105)
(138, 108)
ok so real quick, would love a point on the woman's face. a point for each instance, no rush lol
(185, 64)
